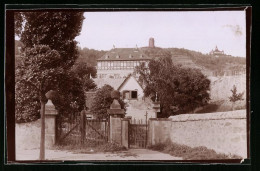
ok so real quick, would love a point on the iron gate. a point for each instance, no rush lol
(138, 135)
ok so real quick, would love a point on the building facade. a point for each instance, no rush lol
(120, 62)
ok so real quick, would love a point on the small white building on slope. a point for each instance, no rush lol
(128, 87)
(131, 89)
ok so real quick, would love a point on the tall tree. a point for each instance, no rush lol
(49, 52)
(178, 87)
(55, 29)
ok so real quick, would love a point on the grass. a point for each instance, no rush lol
(189, 153)
(90, 147)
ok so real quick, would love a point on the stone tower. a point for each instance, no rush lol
(151, 42)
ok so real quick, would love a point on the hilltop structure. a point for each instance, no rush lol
(217, 52)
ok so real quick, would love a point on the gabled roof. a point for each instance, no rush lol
(113, 82)
(125, 81)
(124, 54)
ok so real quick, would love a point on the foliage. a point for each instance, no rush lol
(183, 88)
(29, 80)
(18, 22)
(89, 56)
(236, 96)
(190, 153)
(90, 146)
(17, 44)
(156, 52)
(35, 76)
(49, 52)
(55, 29)
(85, 73)
(102, 101)
(210, 62)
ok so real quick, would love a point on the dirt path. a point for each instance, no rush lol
(131, 154)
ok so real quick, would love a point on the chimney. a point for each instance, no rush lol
(151, 42)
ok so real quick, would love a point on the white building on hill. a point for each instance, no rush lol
(120, 62)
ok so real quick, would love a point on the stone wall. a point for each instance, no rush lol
(224, 132)
(158, 130)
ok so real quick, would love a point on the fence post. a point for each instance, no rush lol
(83, 126)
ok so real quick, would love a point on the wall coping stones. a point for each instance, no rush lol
(237, 114)
(160, 119)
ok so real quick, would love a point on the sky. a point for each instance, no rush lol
(200, 31)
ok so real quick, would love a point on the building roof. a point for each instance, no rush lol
(124, 54)
(113, 82)
(125, 81)
(116, 83)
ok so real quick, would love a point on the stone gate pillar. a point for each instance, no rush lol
(50, 124)
(125, 132)
(115, 128)
(115, 114)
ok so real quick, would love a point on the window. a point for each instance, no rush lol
(134, 94)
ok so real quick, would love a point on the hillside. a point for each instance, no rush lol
(209, 65)
(89, 56)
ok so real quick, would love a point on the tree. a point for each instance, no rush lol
(55, 29)
(102, 101)
(235, 96)
(38, 73)
(90, 56)
(85, 73)
(50, 51)
(178, 87)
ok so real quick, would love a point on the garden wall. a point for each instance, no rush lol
(224, 132)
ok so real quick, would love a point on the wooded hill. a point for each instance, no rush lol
(206, 63)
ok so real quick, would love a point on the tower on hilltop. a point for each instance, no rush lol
(151, 42)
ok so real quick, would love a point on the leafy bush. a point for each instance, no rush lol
(102, 101)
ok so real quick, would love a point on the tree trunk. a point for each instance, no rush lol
(42, 143)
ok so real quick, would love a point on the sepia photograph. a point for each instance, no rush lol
(131, 85)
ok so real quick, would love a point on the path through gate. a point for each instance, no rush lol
(138, 134)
